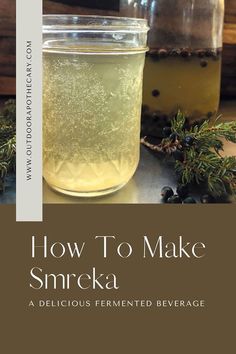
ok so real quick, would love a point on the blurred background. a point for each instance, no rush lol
(7, 38)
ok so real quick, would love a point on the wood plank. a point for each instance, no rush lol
(230, 33)
(230, 11)
(7, 85)
(7, 65)
(7, 46)
(7, 8)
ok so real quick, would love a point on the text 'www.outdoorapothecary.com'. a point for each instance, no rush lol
(29, 110)
(28, 131)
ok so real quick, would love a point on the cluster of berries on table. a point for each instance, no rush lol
(182, 196)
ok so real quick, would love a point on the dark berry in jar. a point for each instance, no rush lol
(166, 193)
(182, 190)
(174, 52)
(155, 93)
(189, 200)
(175, 199)
(203, 63)
(185, 53)
(201, 53)
(209, 53)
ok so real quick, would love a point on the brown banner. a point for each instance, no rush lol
(181, 305)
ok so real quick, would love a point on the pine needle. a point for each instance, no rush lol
(201, 161)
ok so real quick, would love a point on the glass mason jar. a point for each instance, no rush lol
(183, 66)
(92, 95)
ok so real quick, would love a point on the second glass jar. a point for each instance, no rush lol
(183, 65)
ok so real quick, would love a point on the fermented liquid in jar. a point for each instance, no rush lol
(183, 65)
(92, 97)
(183, 79)
(91, 110)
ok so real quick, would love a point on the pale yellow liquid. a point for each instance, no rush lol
(91, 120)
(183, 85)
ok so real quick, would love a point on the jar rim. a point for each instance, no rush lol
(59, 22)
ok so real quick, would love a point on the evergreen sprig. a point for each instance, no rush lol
(198, 159)
(207, 135)
(217, 172)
